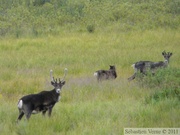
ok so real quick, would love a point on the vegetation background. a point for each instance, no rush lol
(84, 36)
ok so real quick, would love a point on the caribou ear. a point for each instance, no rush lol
(163, 53)
(52, 83)
(63, 82)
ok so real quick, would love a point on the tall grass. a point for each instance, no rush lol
(166, 82)
(86, 106)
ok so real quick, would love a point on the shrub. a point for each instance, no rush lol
(40, 2)
(90, 28)
(165, 81)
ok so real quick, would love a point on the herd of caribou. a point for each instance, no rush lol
(45, 100)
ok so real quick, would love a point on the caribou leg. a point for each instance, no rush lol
(132, 77)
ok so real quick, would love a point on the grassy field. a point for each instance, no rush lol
(86, 107)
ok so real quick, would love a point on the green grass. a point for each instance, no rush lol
(42, 17)
(86, 107)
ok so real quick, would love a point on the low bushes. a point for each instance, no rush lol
(166, 83)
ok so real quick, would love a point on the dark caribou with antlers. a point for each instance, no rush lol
(145, 66)
(43, 101)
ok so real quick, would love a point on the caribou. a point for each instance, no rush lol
(106, 74)
(42, 101)
(145, 66)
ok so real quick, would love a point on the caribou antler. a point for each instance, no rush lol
(51, 77)
(169, 53)
(65, 73)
